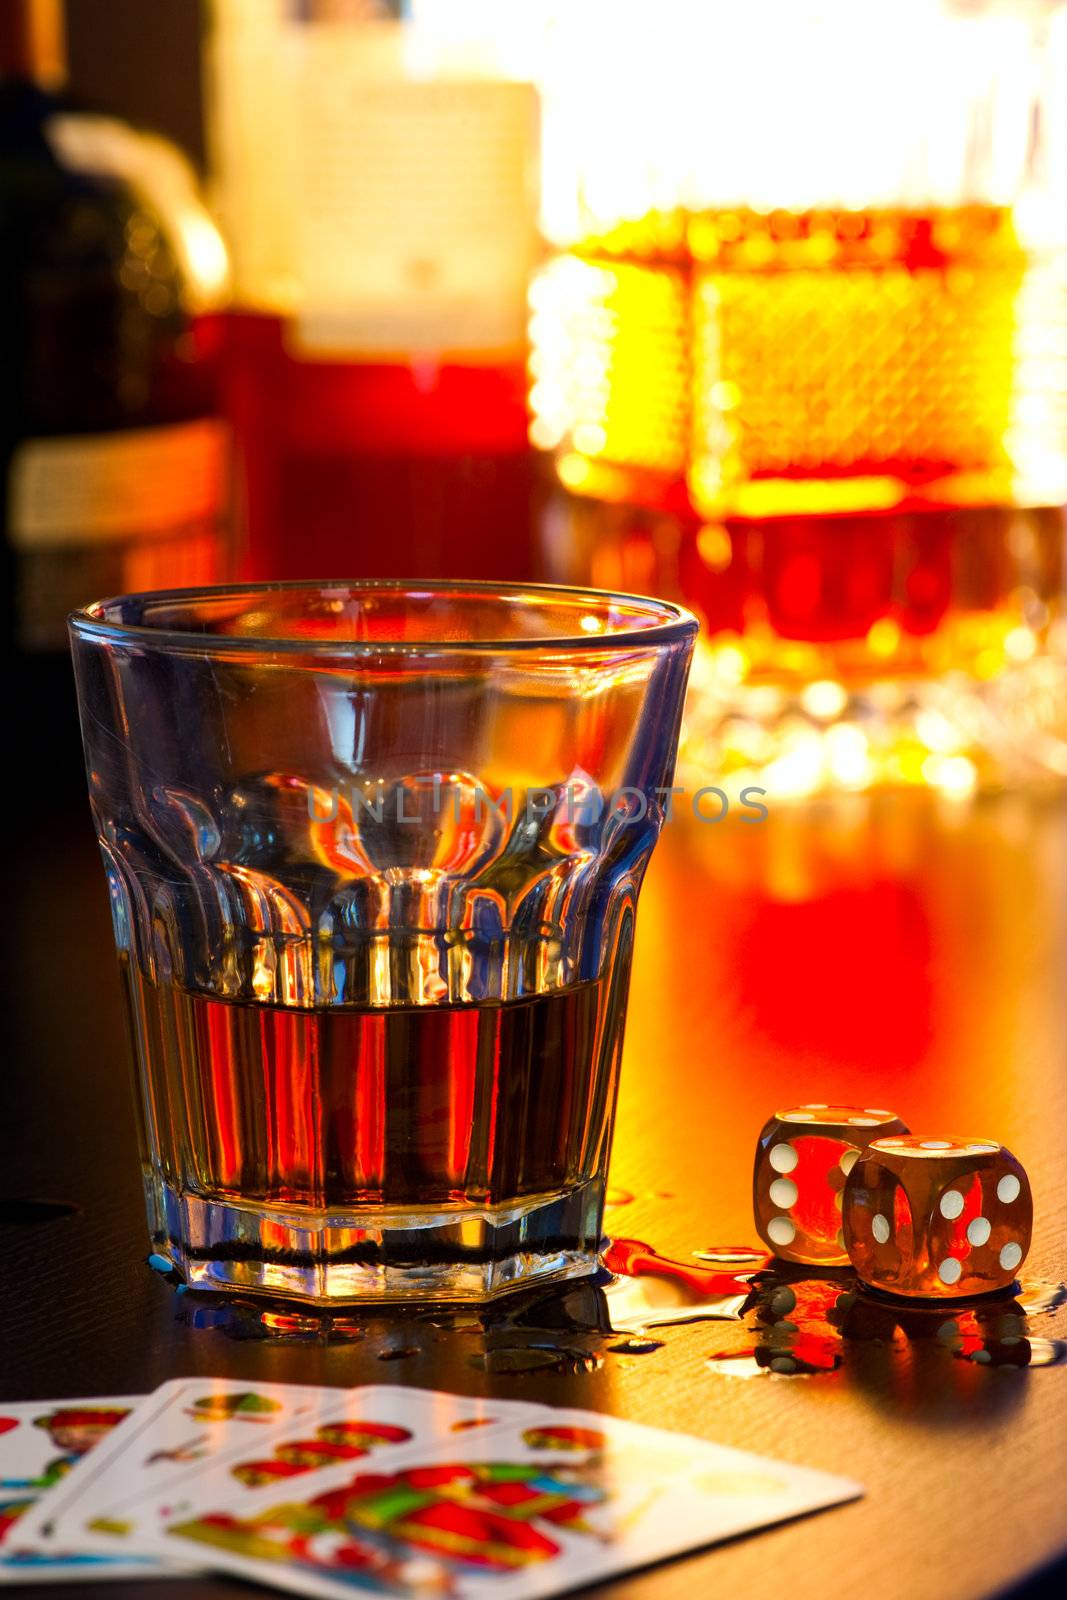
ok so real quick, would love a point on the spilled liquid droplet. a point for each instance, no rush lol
(734, 1255)
(634, 1259)
(1047, 1352)
(635, 1347)
(398, 1352)
(654, 1291)
(345, 1328)
(1037, 1297)
(617, 1197)
(248, 1320)
(736, 1364)
(797, 1360)
(290, 1322)
(515, 1359)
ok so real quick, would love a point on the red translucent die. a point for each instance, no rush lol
(802, 1160)
(939, 1218)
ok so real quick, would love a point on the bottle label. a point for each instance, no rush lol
(89, 489)
(97, 514)
(392, 213)
(417, 215)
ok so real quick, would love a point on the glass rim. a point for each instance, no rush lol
(674, 623)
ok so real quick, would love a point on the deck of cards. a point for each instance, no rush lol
(379, 1490)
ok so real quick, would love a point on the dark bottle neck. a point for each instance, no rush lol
(33, 42)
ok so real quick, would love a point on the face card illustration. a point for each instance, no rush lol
(182, 1424)
(525, 1508)
(330, 1433)
(41, 1441)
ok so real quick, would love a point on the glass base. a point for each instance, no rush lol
(378, 1255)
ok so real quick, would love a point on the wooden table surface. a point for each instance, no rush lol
(891, 953)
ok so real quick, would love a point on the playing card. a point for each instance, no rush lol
(524, 1508)
(183, 1423)
(331, 1432)
(41, 1441)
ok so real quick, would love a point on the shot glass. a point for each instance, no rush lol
(374, 852)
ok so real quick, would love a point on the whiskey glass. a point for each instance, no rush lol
(374, 852)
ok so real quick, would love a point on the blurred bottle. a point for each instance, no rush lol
(376, 182)
(113, 457)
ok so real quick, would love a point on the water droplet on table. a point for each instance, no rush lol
(289, 1322)
(654, 1291)
(798, 1360)
(1047, 1352)
(515, 1359)
(734, 1255)
(1037, 1297)
(737, 1364)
